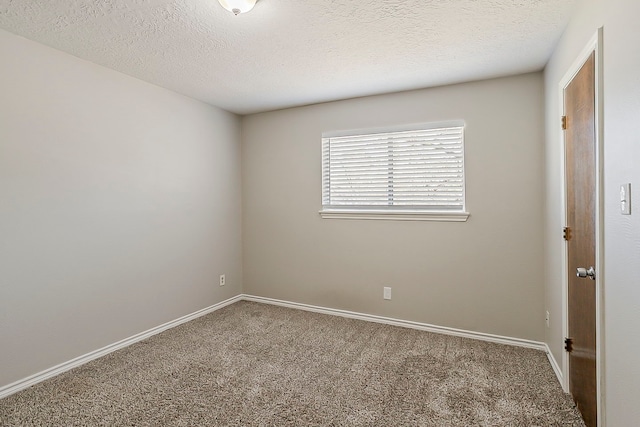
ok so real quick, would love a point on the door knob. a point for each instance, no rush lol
(583, 272)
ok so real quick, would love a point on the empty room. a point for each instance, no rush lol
(319, 212)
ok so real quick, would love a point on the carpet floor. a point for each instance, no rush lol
(252, 364)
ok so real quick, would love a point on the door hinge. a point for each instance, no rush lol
(566, 233)
(568, 344)
(564, 122)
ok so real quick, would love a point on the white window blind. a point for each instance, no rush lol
(408, 170)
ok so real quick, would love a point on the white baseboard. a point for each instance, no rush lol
(403, 323)
(556, 367)
(81, 360)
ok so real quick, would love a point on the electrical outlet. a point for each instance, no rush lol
(387, 293)
(546, 319)
(222, 280)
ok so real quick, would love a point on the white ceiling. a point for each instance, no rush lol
(294, 52)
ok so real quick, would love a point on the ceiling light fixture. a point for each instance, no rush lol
(237, 6)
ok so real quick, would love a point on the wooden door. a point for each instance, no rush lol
(580, 146)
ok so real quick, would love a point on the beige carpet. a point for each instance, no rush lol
(252, 364)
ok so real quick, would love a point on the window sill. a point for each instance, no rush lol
(395, 215)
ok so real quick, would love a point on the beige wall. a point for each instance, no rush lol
(483, 275)
(620, 278)
(119, 206)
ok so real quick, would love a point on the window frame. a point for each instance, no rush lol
(394, 212)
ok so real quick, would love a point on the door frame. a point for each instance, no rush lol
(594, 45)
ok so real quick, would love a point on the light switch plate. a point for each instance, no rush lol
(625, 199)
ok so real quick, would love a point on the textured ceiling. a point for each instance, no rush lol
(293, 52)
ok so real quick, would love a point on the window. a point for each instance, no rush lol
(413, 172)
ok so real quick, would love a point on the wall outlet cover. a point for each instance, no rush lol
(546, 319)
